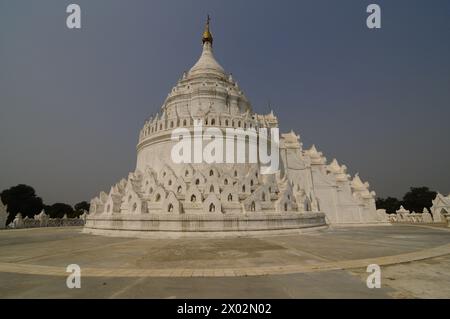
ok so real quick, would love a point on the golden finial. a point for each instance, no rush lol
(207, 36)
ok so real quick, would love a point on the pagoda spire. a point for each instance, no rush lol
(207, 36)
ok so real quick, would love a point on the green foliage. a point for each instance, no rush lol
(418, 198)
(58, 210)
(81, 206)
(390, 204)
(415, 200)
(21, 199)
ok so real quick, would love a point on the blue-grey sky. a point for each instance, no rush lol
(73, 101)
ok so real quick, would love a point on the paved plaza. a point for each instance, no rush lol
(330, 263)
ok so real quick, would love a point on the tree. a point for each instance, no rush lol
(21, 199)
(390, 204)
(418, 198)
(82, 206)
(58, 210)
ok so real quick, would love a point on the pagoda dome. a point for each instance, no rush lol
(207, 64)
(206, 88)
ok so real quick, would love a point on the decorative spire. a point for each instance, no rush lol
(207, 36)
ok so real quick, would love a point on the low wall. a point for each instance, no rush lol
(42, 220)
(132, 225)
(53, 222)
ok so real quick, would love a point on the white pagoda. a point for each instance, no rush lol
(165, 198)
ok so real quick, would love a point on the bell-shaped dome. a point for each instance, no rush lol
(206, 88)
(207, 64)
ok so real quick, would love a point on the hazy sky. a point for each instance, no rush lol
(72, 102)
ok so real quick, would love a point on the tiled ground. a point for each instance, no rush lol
(329, 263)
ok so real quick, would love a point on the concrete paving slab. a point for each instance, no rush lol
(32, 264)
